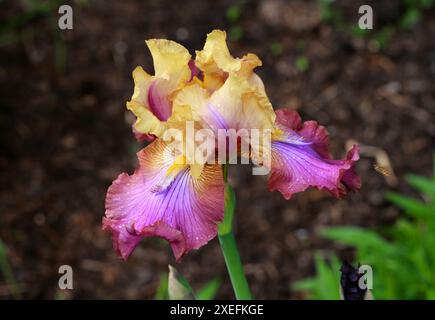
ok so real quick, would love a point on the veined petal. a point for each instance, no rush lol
(185, 212)
(300, 159)
(216, 61)
(290, 124)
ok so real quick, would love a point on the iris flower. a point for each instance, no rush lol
(183, 202)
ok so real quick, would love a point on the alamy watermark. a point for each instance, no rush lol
(205, 146)
(366, 20)
(66, 280)
(366, 280)
(65, 21)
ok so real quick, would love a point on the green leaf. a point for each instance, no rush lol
(427, 3)
(276, 48)
(359, 237)
(383, 37)
(329, 280)
(308, 284)
(411, 17)
(209, 291)
(233, 13)
(178, 287)
(404, 266)
(325, 285)
(162, 289)
(358, 32)
(411, 206)
(423, 184)
(302, 63)
(330, 14)
(433, 167)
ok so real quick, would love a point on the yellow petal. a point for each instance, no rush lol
(216, 61)
(170, 60)
(216, 55)
(257, 111)
(146, 121)
(248, 64)
(142, 81)
(193, 96)
(172, 71)
(227, 101)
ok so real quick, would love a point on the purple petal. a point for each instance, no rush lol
(296, 166)
(186, 213)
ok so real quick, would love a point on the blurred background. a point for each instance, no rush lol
(65, 135)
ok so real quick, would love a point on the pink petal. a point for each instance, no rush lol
(310, 130)
(301, 159)
(158, 100)
(142, 136)
(185, 214)
(194, 70)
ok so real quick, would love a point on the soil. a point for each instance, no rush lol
(65, 135)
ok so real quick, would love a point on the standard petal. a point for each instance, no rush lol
(171, 60)
(152, 98)
(148, 103)
(185, 211)
(216, 61)
(216, 55)
(236, 105)
(300, 159)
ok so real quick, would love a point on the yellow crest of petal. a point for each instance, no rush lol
(248, 64)
(142, 81)
(146, 121)
(180, 164)
(170, 59)
(216, 61)
(216, 54)
(216, 57)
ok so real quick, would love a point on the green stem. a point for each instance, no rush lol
(229, 246)
(234, 266)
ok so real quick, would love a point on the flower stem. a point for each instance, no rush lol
(229, 246)
(234, 266)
